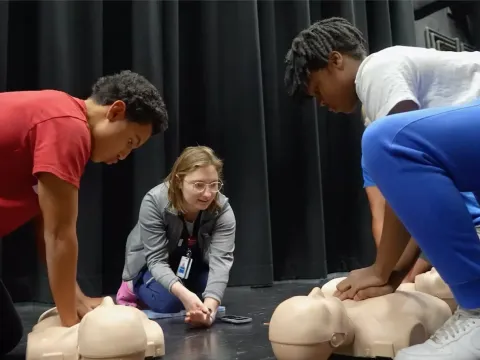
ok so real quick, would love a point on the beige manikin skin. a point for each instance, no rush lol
(431, 283)
(314, 327)
(110, 332)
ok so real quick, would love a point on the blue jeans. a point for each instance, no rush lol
(159, 299)
(421, 161)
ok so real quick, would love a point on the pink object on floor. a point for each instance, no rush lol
(125, 296)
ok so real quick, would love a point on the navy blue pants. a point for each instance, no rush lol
(159, 299)
(421, 161)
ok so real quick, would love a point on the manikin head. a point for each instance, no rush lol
(309, 327)
(323, 62)
(195, 180)
(432, 283)
(110, 331)
(124, 111)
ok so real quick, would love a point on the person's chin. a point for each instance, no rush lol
(95, 160)
(202, 205)
(350, 110)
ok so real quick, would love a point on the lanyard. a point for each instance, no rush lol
(190, 240)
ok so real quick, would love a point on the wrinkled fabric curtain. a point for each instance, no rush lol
(292, 172)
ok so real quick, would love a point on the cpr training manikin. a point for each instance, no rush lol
(110, 331)
(314, 327)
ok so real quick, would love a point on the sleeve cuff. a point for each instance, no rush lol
(392, 103)
(213, 296)
(172, 282)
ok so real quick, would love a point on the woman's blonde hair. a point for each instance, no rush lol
(191, 158)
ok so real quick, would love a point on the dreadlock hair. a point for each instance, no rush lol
(312, 46)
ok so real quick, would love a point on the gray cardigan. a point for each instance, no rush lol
(158, 231)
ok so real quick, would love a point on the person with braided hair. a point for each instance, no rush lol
(329, 61)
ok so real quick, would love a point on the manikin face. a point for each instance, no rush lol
(334, 85)
(200, 188)
(114, 137)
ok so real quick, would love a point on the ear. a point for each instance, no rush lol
(116, 111)
(335, 60)
(337, 339)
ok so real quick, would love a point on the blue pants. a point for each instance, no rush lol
(421, 161)
(159, 299)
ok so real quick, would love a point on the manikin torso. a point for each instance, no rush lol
(110, 331)
(315, 326)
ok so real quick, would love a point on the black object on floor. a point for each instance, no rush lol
(222, 341)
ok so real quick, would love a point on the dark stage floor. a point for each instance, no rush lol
(222, 341)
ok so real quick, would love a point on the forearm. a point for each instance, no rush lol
(61, 258)
(405, 264)
(180, 291)
(394, 241)
(218, 276)
(40, 240)
(409, 256)
(162, 272)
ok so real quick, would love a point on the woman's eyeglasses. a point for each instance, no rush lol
(200, 186)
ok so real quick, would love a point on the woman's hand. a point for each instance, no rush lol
(366, 279)
(198, 318)
(192, 303)
(197, 314)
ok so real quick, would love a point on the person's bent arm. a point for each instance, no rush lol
(40, 241)
(409, 255)
(59, 206)
(393, 243)
(412, 251)
(221, 258)
(60, 148)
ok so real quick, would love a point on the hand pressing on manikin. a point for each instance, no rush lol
(86, 304)
(362, 284)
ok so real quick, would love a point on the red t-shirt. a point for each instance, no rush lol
(40, 131)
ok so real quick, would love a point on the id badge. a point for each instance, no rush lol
(184, 267)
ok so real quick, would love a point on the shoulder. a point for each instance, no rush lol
(59, 114)
(223, 200)
(388, 60)
(26, 109)
(159, 196)
(61, 105)
(225, 213)
(45, 104)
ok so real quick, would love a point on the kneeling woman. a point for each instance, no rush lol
(181, 249)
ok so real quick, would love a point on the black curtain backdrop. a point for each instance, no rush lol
(292, 173)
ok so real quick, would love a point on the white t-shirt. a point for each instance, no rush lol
(429, 77)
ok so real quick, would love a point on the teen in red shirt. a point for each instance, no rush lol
(46, 139)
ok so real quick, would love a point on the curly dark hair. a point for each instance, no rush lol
(312, 46)
(144, 104)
